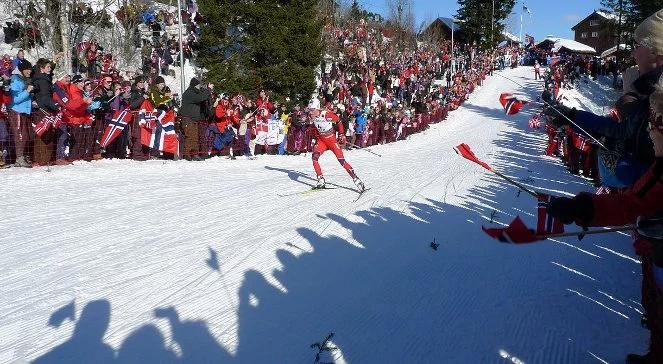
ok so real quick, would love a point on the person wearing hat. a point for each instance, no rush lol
(158, 96)
(20, 89)
(644, 197)
(137, 96)
(194, 99)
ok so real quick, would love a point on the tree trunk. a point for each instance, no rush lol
(64, 34)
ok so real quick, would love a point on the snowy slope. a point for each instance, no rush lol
(204, 262)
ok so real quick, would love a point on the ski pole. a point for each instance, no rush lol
(562, 114)
(589, 232)
(364, 149)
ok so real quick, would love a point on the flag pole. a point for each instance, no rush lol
(179, 31)
(520, 37)
(519, 185)
(486, 166)
(589, 232)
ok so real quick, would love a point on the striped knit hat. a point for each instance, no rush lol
(650, 33)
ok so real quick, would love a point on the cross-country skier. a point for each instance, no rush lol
(327, 125)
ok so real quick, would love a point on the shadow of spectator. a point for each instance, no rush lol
(86, 344)
(67, 311)
(145, 345)
(194, 338)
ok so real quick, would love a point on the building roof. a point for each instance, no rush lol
(567, 44)
(510, 37)
(602, 14)
(449, 22)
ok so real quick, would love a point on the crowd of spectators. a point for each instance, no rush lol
(380, 92)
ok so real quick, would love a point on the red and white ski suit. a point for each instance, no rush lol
(326, 125)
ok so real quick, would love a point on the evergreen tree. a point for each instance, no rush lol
(274, 44)
(645, 8)
(475, 20)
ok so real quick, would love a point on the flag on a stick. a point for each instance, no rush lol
(47, 122)
(511, 104)
(121, 119)
(465, 152)
(515, 233)
(545, 223)
(158, 132)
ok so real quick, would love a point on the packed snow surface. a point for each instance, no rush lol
(220, 261)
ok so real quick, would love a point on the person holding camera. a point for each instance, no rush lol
(20, 109)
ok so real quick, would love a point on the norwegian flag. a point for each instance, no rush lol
(546, 224)
(511, 104)
(158, 131)
(535, 121)
(580, 142)
(47, 122)
(515, 233)
(121, 119)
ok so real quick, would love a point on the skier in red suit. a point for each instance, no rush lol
(326, 126)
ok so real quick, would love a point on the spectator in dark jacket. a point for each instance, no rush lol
(194, 100)
(139, 93)
(43, 97)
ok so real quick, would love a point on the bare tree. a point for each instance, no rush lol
(401, 14)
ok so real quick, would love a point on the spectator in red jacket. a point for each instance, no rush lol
(78, 118)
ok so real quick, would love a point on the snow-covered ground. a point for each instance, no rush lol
(206, 262)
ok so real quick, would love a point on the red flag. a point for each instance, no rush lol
(511, 104)
(159, 132)
(515, 233)
(120, 120)
(465, 152)
(47, 122)
(546, 224)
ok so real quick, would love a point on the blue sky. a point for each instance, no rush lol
(554, 17)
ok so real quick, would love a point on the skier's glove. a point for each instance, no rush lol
(341, 140)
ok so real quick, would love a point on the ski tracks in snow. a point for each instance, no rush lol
(211, 245)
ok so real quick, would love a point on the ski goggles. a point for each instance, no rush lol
(655, 121)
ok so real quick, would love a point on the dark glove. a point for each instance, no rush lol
(554, 112)
(579, 209)
(562, 208)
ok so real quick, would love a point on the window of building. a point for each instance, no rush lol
(595, 34)
(593, 23)
(583, 35)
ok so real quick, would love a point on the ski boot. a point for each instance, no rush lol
(359, 184)
(321, 182)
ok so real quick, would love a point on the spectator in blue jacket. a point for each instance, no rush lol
(360, 126)
(20, 110)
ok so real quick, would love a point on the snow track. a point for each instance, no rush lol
(204, 262)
